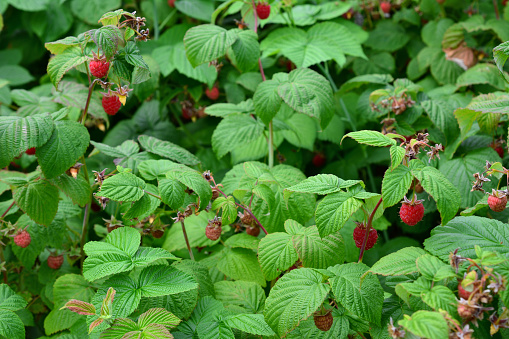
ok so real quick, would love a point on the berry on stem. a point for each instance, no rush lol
(111, 104)
(30, 151)
(386, 7)
(319, 160)
(253, 230)
(263, 10)
(323, 322)
(99, 66)
(213, 233)
(360, 232)
(497, 201)
(213, 93)
(55, 261)
(22, 239)
(411, 211)
(157, 233)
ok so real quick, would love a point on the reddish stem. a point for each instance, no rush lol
(368, 229)
(8, 209)
(187, 240)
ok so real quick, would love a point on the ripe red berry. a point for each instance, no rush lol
(22, 239)
(386, 7)
(99, 68)
(253, 230)
(55, 261)
(30, 151)
(411, 212)
(360, 232)
(157, 233)
(497, 203)
(462, 293)
(171, 3)
(213, 233)
(323, 322)
(111, 104)
(213, 93)
(500, 151)
(319, 160)
(263, 10)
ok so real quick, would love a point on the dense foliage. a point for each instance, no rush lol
(254, 169)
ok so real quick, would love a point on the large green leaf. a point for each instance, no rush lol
(168, 150)
(359, 294)
(244, 52)
(241, 296)
(240, 264)
(38, 199)
(205, 43)
(316, 252)
(322, 42)
(194, 180)
(401, 262)
(334, 211)
(123, 187)
(276, 254)
(294, 297)
(11, 325)
(66, 145)
(200, 273)
(250, 323)
(395, 185)
(19, 134)
(77, 189)
(465, 233)
(446, 195)
(64, 62)
(426, 324)
(9, 300)
(388, 36)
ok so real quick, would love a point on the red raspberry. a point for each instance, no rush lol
(22, 239)
(30, 151)
(411, 212)
(55, 261)
(263, 10)
(360, 232)
(213, 93)
(497, 201)
(213, 233)
(386, 7)
(323, 322)
(111, 104)
(99, 68)
(157, 233)
(319, 160)
(171, 3)
(253, 230)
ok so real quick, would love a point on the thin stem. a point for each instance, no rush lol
(495, 5)
(325, 71)
(168, 18)
(187, 240)
(368, 229)
(271, 145)
(84, 232)
(90, 90)
(156, 24)
(348, 118)
(7, 210)
(152, 194)
(261, 69)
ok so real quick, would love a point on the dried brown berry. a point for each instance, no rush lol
(253, 230)
(213, 233)
(157, 233)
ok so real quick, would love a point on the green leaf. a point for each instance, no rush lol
(250, 323)
(441, 298)
(240, 264)
(316, 252)
(38, 199)
(445, 194)
(57, 47)
(224, 109)
(168, 150)
(19, 134)
(200, 273)
(426, 324)
(371, 138)
(322, 42)
(123, 187)
(15, 75)
(92, 10)
(465, 233)
(11, 325)
(155, 281)
(334, 211)
(9, 300)
(388, 37)
(276, 254)
(172, 192)
(235, 130)
(62, 63)
(158, 316)
(441, 113)
(240, 296)
(29, 5)
(228, 209)
(397, 155)
(243, 240)
(395, 185)
(500, 54)
(198, 9)
(107, 39)
(66, 145)
(359, 293)
(143, 207)
(321, 184)
(78, 190)
(401, 262)
(481, 74)
(433, 268)
(340, 327)
(294, 297)
(205, 43)
(194, 180)
(245, 51)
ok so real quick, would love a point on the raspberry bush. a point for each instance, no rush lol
(254, 169)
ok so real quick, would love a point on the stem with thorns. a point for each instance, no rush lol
(368, 229)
